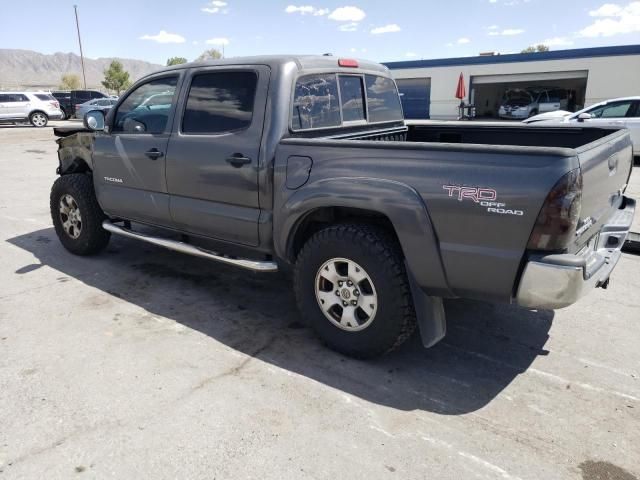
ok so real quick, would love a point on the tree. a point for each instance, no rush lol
(116, 78)
(70, 81)
(536, 48)
(176, 61)
(212, 54)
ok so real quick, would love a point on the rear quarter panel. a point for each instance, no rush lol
(480, 251)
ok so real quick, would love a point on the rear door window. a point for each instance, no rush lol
(220, 102)
(147, 108)
(383, 101)
(351, 98)
(316, 102)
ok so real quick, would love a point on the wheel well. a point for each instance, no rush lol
(322, 217)
(77, 165)
(38, 111)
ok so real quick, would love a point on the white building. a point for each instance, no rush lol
(591, 75)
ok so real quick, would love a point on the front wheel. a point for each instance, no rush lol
(76, 215)
(38, 119)
(352, 286)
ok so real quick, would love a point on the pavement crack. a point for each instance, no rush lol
(234, 370)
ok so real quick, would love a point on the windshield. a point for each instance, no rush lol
(517, 97)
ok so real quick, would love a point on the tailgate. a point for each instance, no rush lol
(606, 166)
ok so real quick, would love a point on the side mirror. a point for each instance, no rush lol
(584, 116)
(94, 120)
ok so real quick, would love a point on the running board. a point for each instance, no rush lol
(255, 265)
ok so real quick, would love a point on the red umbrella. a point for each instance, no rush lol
(461, 91)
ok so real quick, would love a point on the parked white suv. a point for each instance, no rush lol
(34, 107)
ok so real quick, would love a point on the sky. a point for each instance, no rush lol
(379, 30)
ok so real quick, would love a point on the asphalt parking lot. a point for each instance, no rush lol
(144, 363)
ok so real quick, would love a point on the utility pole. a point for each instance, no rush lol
(84, 77)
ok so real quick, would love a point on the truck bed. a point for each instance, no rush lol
(482, 253)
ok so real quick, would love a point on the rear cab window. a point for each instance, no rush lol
(340, 100)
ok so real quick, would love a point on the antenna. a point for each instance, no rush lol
(84, 77)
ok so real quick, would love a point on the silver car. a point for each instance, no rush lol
(520, 104)
(35, 107)
(103, 104)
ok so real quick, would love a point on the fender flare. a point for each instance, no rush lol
(400, 203)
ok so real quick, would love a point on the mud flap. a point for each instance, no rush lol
(429, 312)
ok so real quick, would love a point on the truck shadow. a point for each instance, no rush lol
(486, 347)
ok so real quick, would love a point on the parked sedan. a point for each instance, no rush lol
(103, 104)
(622, 112)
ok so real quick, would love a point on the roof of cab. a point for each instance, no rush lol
(303, 61)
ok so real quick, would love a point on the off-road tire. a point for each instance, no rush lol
(38, 119)
(379, 254)
(92, 238)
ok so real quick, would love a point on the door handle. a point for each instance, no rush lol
(154, 154)
(237, 160)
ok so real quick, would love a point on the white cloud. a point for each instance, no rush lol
(216, 6)
(557, 42)
(463, 40)
(393, 27)
(164, 37)
(348, 27)
(410, 54)
(306, 10)
(492, 27)
(606, 10)
(507, 32)
(493, 1)
(512, 31)
(218, 41)
(347, 14)
(613, 20)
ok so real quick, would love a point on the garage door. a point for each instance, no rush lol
(529, 77)
(415, 94)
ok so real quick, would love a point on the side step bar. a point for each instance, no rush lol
(255, 265)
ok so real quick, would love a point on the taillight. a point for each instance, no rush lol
(557, 221)
(55, 104)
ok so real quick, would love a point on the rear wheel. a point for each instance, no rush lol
(39, 119)
(64, 114)
(76, 215)
(351, 285)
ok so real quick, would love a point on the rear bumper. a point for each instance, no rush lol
(557, 281)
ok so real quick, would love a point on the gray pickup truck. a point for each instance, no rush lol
(306, 162)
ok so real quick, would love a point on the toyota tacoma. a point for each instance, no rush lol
(306, 162)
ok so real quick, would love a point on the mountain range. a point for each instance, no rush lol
(28, 69)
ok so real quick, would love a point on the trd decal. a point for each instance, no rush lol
(486, 197)
(473, 193)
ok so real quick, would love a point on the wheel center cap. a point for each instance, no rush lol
(346, 294)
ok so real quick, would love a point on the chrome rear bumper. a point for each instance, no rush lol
(557, 281)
